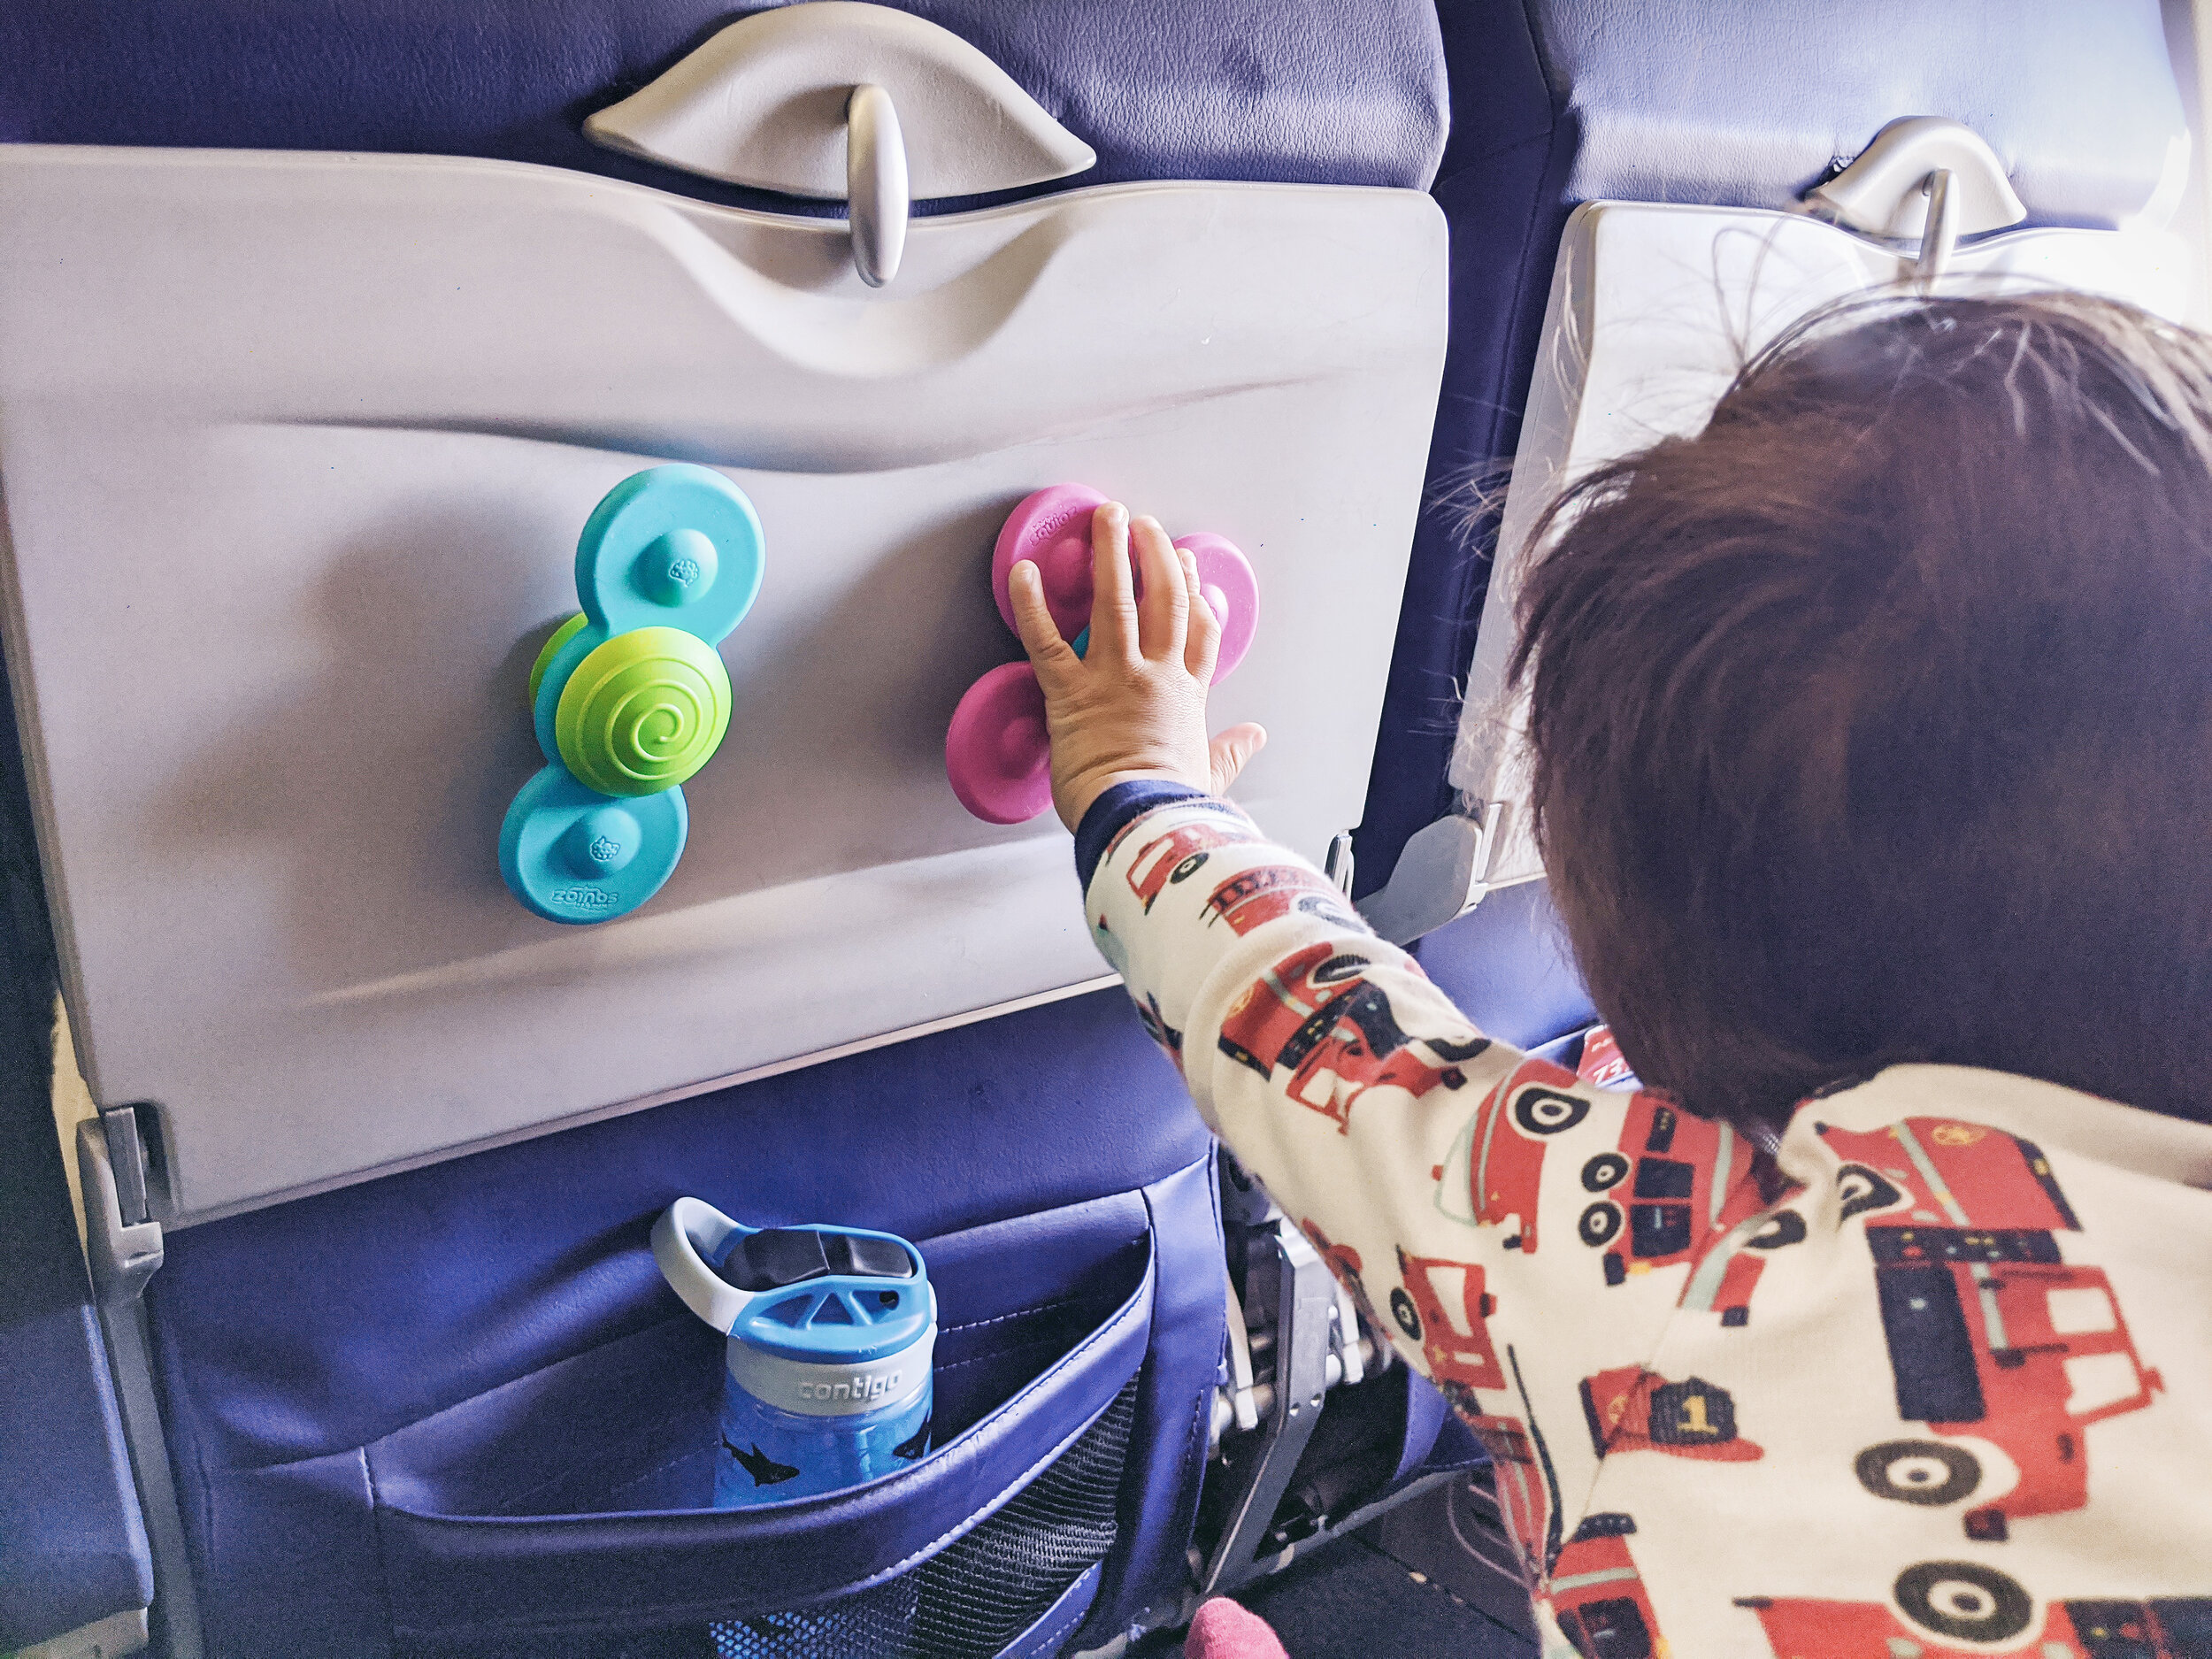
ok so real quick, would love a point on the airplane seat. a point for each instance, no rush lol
(333, 392)
(420, 1391)
(1668, 105)
(73, 1553)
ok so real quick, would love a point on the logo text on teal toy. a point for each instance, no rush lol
(584, 898)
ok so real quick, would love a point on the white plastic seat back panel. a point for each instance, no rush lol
(1652, 310)
(296, 450)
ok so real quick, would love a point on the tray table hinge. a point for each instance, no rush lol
(121, 1237)
(123, 1246)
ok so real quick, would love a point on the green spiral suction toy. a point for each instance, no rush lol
(630, 697)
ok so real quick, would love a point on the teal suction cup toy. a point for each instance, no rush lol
(629, 697)
(573, 854)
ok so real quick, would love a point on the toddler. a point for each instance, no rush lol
(1872, 744)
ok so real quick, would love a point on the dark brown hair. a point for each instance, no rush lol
(1874, 722)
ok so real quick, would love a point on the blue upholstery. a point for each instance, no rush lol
(73, 1547)
(1676, 100)
(571, 1559)
(1049, 1635)
(1426, 1417)
(489, 1337)
(1507, 965)
(1190, 1325)
(330, 1321)
(1557, 102)
(1231, 89)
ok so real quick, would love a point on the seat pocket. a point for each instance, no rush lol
(564, 1513)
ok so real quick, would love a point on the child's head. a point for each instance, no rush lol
(1874, 722)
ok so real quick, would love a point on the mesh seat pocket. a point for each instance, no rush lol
(973, 1599)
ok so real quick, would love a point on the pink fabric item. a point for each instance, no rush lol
(1223, 1630)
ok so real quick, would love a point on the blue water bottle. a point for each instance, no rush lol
(826, 1377)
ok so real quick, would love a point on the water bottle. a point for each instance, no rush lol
(826, 1373)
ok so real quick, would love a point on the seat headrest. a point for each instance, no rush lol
(1749, 106)
(1302, 93)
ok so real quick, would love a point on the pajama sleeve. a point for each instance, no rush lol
(1475, 1200)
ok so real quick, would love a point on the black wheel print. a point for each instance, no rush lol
(1864, 1189)
(1918, 1472)
(1963, 1599)
(1401, 1311)
(1186, 869)
(1783, 1227)
(1445, 1048)
(1344, 965)
(1545, 1111)
(1604, 1172)
(1600, 1225)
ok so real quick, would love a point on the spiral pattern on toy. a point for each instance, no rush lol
(643, 712)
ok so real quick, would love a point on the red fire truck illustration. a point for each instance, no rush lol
(1523, 1491)
(1141, 825)
(1993, 1337)
(1442, 1305)
(1343, 1260)
(1934, 1169)
(1177, 855)
(1252, 897)
(1965, 1601)
(1677, 1187)
(1598, 1597)
(1726, 1276)
(1497, 1167)
(1315, 1015)
(1632, 1409)
(1603, 1064)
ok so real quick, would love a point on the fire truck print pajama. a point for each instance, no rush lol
(1937, 1385)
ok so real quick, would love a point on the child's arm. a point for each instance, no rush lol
(1380, 1119)
(1484, 1204)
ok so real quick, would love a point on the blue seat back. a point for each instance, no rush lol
(1228, 94)
(73, 1544)
(380, 1396)
(1560, 102)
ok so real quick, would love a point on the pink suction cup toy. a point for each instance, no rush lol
(1231, 592)
(1053, 528)
(997, 757)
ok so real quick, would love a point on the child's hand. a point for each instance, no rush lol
(1135, 705)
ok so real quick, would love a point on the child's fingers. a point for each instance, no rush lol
(1053, 656)
(1228, 753)
(1202, 649)
(1113, 599)
(1163, 613)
